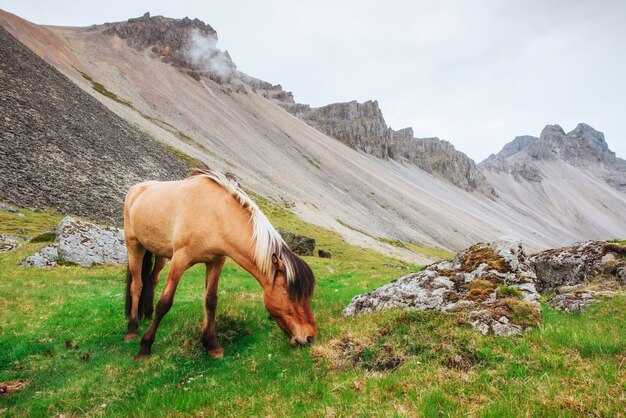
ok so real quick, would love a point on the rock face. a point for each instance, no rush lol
(61, 148)
(191, 46)
(581, 273)
(363, 127)
(299, 244)
(358, 125)
(582, 147)
(81, 243)
(494, 283)
(441, 159)
(188, 44)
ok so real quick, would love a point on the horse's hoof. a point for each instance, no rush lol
(216, 352)
(140, 357)
(130, 337)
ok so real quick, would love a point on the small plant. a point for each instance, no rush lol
(45, 237)
(479, 290)
(509, 292)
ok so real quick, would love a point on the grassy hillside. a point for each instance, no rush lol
(61, 342)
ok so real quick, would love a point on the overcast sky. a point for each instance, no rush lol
(475, 73)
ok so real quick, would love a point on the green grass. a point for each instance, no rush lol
(100, 88)
(388, 364)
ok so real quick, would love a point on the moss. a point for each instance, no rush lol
(187, 159)
(508, 291)
(479, 290)
(45, 237)
(312, 162)
(104, 91)
(478, 254)
(524, 314)
(518, 311)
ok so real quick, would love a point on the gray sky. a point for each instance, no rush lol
(475, 73)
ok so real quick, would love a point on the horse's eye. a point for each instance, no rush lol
(271, 318)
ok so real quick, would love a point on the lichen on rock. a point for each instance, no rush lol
(81, 243)
(473, 283)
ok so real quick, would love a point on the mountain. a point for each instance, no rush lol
(168, 79)
(362, 126)
(573, 180)
(62, 148)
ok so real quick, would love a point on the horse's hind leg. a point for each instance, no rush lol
(135, 260)
(179, 264)
(159, 263)
(209, 337)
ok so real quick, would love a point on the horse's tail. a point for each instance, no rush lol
(147, 281)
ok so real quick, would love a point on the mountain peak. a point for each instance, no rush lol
(593, 137)
(551, 130)
(189, 44)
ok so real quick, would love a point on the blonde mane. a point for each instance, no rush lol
(267, 241)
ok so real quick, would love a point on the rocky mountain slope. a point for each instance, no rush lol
(573, 180)
(362, 126)
(237, 124)
(62, 148)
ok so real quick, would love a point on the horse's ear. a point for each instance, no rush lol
(278, 265)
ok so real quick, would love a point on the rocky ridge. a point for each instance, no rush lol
(81, 158)
(582, 147)
(191, 46)
(363, 127)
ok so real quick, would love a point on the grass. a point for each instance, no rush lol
(61, 348)
(100, 88)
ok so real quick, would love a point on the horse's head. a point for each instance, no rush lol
(288, 296)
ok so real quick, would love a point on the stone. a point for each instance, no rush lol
(581, 273)
(82, 243)
(324, 254)
(9, 242)
(470, 283)
(46, 257)
(299, 244)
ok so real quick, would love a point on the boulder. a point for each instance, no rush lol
(581, 273)
(492, 282)
(299, 244)
(82, 243)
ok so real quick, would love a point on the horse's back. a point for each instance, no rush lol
(194, 212)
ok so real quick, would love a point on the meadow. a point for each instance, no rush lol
(62, 350)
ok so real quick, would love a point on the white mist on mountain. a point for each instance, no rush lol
(204, 54)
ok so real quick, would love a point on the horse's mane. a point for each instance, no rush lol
(267, 241)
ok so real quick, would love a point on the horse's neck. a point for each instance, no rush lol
(246, 260)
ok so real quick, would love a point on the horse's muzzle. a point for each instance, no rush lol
(298, 341)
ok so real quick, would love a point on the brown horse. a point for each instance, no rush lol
(204, 219)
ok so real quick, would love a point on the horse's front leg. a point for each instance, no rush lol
(209, 337)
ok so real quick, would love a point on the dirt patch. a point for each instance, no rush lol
(9, 387)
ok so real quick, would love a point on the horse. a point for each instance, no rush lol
(205, 218)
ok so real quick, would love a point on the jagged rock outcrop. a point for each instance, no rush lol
(363, 127)
(492, 282)
(62, 148)
(81, 243)
(358, 125)
(441, 159)
(582, 147)
(581, 273)
(189, 44)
